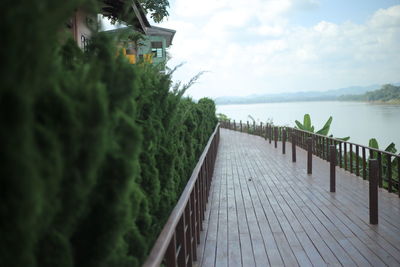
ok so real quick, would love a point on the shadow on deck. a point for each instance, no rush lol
(265, 210)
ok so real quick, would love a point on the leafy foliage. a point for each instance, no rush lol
(307, 126)
(94, 151)
(222, 117)
(156, 8)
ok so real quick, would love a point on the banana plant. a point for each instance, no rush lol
(391, 148)
(307, 126)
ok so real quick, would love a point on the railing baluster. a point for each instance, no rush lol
(270, 134)
(283, 141)
(380, 169)
(332, 168)
(357, 161)
(293, 147)
(241, 126)
(327, 148)
(193, 237)
(198, 212)
(276, 136)
(309, 155)
(188, 234)
(345, 155)
(181, 240)
(340, 155)
(364, 163)
(389, 172)
(248, 127)
(266, 131)
(170, 255)
(351, 158)
(398, 176)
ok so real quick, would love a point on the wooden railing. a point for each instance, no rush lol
(176, 245)
(350, 156)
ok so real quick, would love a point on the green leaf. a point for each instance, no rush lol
(347, 138)
(307, 122)
(391, 148)
(373, 143)
(301, 127)
(327, 126)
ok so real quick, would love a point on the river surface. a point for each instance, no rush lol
(360, 121)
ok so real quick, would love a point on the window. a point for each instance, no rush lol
(156, 49)
(85, 42)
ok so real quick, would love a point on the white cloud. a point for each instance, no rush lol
(251, 47)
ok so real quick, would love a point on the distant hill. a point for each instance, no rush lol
(387, 94)
(299, 96)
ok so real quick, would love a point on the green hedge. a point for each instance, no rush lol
(94, 151)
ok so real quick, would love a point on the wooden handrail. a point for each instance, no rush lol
(187, 215)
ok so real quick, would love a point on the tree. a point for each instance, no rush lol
(115, 11)
(156, 8)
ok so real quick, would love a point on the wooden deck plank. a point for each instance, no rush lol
(377, 250)
(376, 260)
(265, 210)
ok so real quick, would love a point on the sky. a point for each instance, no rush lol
(250, 47)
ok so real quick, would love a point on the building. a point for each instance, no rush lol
(151, 48)
(83, 23)
(157, 41)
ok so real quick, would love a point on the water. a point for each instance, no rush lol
(360, 121)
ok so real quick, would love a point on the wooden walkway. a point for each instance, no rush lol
(265, 210)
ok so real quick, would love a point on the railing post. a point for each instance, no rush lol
(270, 133)
(283, 141)
(332, 157)
(293, 147)
(248, 127)
(309, 155)
(276, 136)
(234, 125)
(373, 191)
(261, 129)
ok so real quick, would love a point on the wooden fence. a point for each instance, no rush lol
(176, 245)
(350, 156)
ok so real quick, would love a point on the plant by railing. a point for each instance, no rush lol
(176, 245)
(350, 156)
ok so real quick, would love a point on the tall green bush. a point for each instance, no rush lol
(94, 151)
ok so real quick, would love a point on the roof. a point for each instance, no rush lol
(135, 15)
(158, 31)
